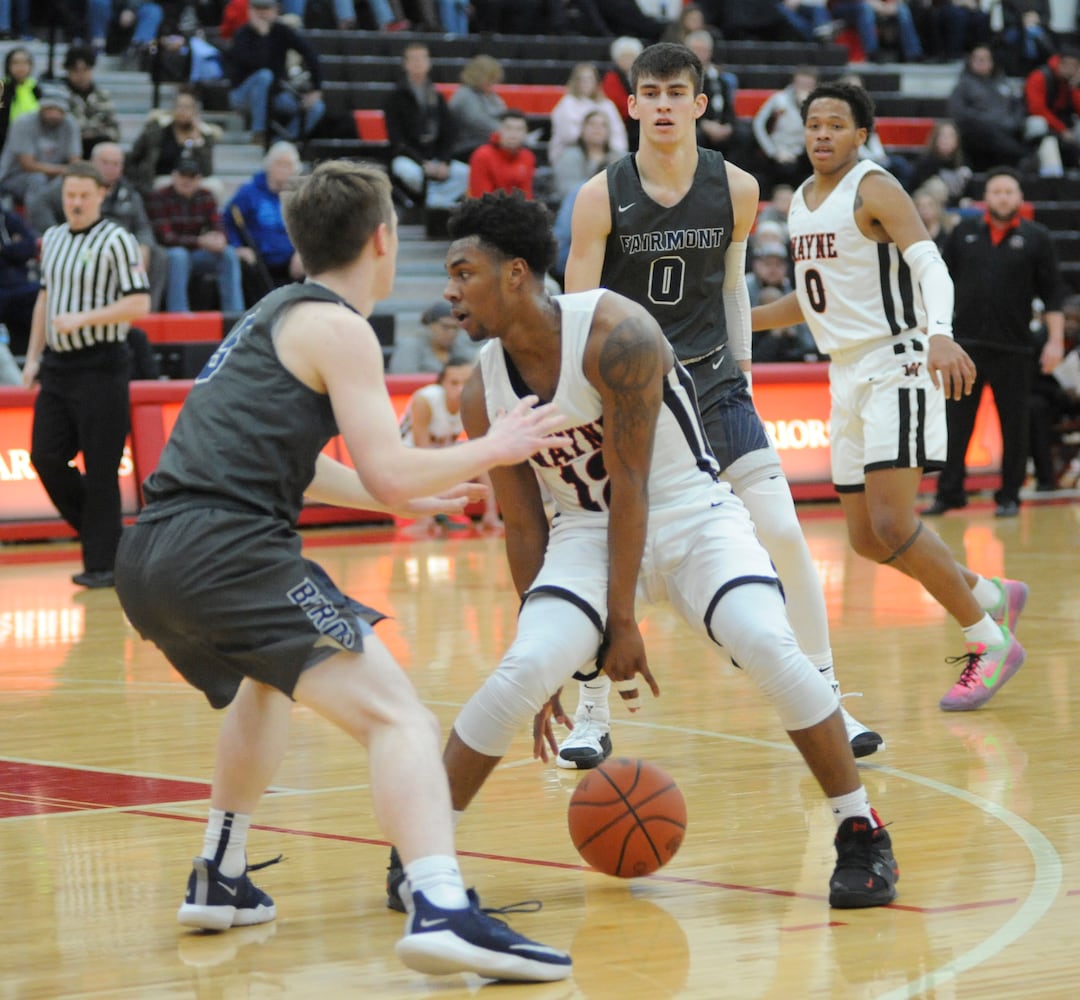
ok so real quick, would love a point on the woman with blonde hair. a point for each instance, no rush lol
(583, 94)
(475, 106)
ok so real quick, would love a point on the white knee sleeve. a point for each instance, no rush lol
(773, 513)
(554, 639)
(751, 622)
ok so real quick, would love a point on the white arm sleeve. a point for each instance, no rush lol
(933, 278)
(737, 302)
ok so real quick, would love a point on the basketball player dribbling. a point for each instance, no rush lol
(878, 299)
(667, 227)
(641, 516)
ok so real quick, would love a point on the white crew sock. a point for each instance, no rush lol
(225, 841)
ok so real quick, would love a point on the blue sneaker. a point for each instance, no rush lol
(439, 942)
(216, 902)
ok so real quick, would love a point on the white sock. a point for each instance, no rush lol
(985, 630)
(823, 662)
(596, 693)
(987, 593)
(225, 842)
(438, 877)
(854, 804)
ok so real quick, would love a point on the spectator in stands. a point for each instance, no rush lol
(169, 135)
(260, 79)
(583, 94)
(759, 20)
(1052, 94)
(91, 105)
(691, 18)
(186, 223)
(895, 31)
(454, 15)
(256, 229)
(18, 289)
(1000, 263)
(475, 107)
(429, 350)
(1025, 40)
(951, 28)
(39, 146)
(616, 83)
(930, 202)
(778, 129)
(14, 19)
(21, 90)
(810, 18)
(774, 213)
(504, 163)
(769, 278)
(859, 16)
(138, 22)
(942, 157)
(586, 157)
(421, 132)
(720, 127)
(988, 113)
(1056, 397)
(790, 344)
(122, 204)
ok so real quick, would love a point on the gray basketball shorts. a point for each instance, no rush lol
(227, 595)
(733, 428)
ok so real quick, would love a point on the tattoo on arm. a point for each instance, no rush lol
(629, 366)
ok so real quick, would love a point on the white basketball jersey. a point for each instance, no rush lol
(682, 463)
(445, 427)
(852, 290)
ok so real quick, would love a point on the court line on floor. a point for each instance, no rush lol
(1045, 884)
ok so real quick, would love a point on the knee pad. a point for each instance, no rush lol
(554, 639)
(758, 635)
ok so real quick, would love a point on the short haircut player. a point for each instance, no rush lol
(665, 61)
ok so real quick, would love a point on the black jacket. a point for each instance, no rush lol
(995, 285)
(419, 132)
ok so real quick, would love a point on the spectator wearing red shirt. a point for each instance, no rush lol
(1052, 94)
(186, 222)
(504, 163)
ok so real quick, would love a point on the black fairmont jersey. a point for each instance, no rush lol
(671, 260)
(249, 432)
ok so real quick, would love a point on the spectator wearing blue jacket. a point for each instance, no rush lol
(255, 226)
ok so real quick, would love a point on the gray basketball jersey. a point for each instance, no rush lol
(682, 465)
(244, 384)
(671, 260)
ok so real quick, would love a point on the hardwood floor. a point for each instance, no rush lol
(105, 756)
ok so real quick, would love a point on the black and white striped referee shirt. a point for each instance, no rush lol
(86, 270)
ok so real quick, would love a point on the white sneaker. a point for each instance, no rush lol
(589, 742)
(863, 741)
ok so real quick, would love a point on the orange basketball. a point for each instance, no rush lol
(627, 818)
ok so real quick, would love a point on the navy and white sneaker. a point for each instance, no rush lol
(215, 902)
(439, 942)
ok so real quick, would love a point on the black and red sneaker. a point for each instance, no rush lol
(866, 871)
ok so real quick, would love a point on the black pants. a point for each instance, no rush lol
(1009, 376)
(1049, 404)
(87, 410)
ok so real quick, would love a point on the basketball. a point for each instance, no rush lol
(627, 818)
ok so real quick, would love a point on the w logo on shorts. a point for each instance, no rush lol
(912, 367)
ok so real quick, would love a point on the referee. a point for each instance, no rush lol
(92, 286)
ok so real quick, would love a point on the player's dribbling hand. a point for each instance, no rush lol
(526, 429)
(622, 657)
(543, 733)
(950, 367)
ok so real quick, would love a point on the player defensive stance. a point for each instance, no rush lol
(212, 572)
(640, 515)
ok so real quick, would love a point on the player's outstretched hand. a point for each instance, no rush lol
(543, 733)
(451, 501)
(950, 367)
(525, 429)
(622, 658)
